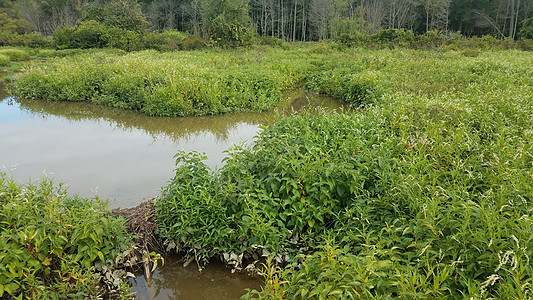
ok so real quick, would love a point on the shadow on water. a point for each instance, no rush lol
(119, 154)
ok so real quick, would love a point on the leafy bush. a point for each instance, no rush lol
(352, 86)
(123, 14)
(33, 40)
(172, 40)
(165, 41)
(88, 34)
(423, 194)
(269, 41)
(56, 246)
(526, 31)
(192, 42)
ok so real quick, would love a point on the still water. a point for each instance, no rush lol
(117, 154)
(127, 157)
(173, 281)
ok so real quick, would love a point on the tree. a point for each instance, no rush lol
(226, 21)
(124, 14)
(8, 24)
(526, 32)
(374, 14)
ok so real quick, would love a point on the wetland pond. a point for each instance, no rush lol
(117, 154)
(127, 157)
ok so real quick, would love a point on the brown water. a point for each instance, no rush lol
(126, 157)
(119, 154)
(173, 281)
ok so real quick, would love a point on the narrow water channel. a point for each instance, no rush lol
(117, 154)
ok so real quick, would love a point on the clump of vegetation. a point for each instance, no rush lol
(56, 246)
(424, 193)
(4, 60)
(15, 54)
(193, 83)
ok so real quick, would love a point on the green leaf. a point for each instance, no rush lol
(100, 255)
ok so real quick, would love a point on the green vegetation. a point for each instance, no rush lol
(53, 246)
(91, 34)
(167, 84)
(425, 193)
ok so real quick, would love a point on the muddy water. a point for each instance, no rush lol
(173, 281)
(118, 154)
(127, 157)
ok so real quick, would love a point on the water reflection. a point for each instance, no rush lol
(173, 281)
(119, 154)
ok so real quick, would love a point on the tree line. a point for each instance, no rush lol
(289, 20)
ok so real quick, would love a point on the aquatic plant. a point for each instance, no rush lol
(192, 83)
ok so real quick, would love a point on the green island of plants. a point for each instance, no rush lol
(166, 84)
(426, 193)
(55, 246)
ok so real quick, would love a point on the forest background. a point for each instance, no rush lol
(29, 22)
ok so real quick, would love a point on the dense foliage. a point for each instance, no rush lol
(53, 246)
(167, 84)
(426, 193)
(293, 20)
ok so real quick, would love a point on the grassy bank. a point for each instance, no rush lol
(426, 193)
(54, 246)
(167, 84)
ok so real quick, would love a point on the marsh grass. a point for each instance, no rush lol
(165, 84)
(424, 194)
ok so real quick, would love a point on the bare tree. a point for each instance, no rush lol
(374, 14)
(437, 14)
(319, 18)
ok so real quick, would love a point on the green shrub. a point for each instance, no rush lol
(33, 40)
(270, 41)
(53, 245)
(526, 31)
(424, 193)
(353, 86)
(192, 42)
(87, 34)
(164, 41)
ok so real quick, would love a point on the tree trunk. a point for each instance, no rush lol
(294, 22)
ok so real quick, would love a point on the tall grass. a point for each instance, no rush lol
(426, 193)
(166, 84)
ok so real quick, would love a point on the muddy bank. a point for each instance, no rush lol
(177, 276)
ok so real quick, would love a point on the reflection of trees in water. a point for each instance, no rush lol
(3, 93)
(179, 127)
(175, 128)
